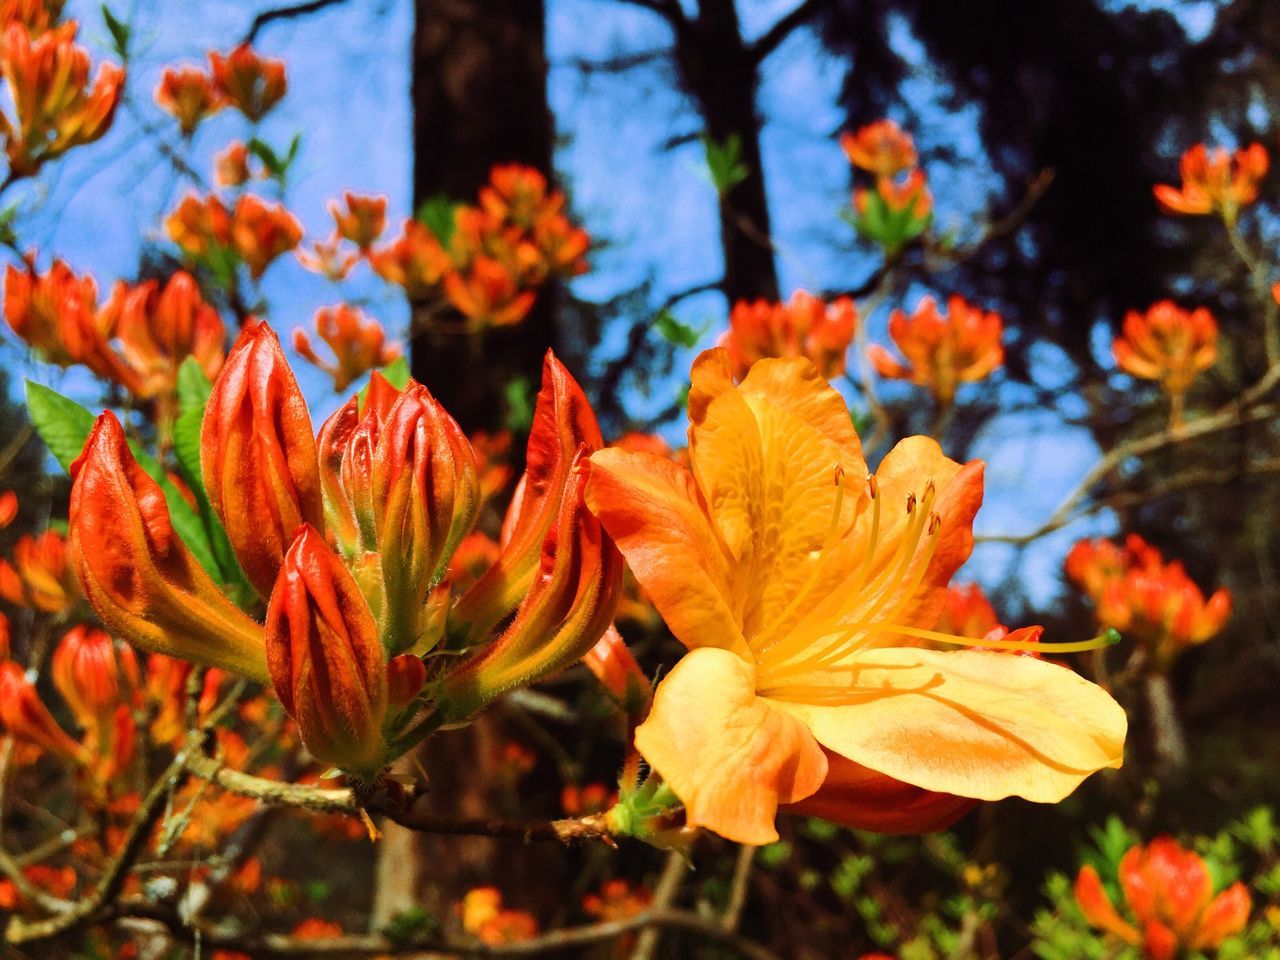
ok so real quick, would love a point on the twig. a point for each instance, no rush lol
(664, 894)
(776, 35)
(738, 888)
(285, 13)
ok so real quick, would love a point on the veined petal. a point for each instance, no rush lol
(857, 797)
(727, 754)
(971, 723)
(650, 507)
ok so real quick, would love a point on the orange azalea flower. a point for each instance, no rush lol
(359, 344)
(8, 508)
(58, 881)
(908, 197)
(617, 900)
(363, 220)
(1169, 345)
(488, 294)
(882, 148)
(414, 260)
(157, 329)
(36, 308)
(189, 95)
(804, 327)
(24, 716)
(1169, 893)
(493, 462)
(329, 259)
(262, 231)
(36, 15)
(794, 578)
(248, 82)
(518, 194)
(968, 613)
(613, 664)
(200, 227)
(39, 576)
(1136, 592)
(231, 166)
(484, 918)
(943, 350)
(584, 801)
(94, 675)
(55, 107)
(1215, 181)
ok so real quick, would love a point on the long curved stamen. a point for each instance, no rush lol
(1108, 638)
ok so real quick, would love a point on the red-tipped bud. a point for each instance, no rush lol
(93, 674)
(325, 658)
(406, 675)
(137, 573)
(614, 666)
(562, 422)
(258, 455)
(26, 718)
(426, 493)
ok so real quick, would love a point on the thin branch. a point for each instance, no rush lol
(620, 63)
(738, 888)
(288, 12)
(774, 37)
(669, 10)
(664, 894)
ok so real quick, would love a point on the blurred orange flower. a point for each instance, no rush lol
(362, 221)
(943, 350)
(251, 83)
(36, 307)
(262, 231)
(359, 344)
(484, 918)
(200, 226)
(1215, 181)
(94, 674)
(805, 326)
(231, 166)
(590, 799)
(617, 900)
(329, 258)
(882, 148)
(488, 293)
(24, 716)
(36, 15)
(189, 95)
(55, 106)
(1169, 345)
(8, 508)
(1169, 892)
(414, 260)
(39, 576)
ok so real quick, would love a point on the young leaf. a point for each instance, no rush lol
(62, 423)
(724, 162)
(193, 386)
(396, 373)
(119, 30)
(437, 215)
(674, 331)
(519, 397)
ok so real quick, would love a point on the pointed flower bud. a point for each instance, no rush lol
(94, 675)
(25, 717)
(136, 572)
(325, 657)
(258, 455)
(613, 664)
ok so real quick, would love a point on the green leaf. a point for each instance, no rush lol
(193, 386)
(267, 154)
(437, 214)
(395, 373)
(62, 423)
(119, 30)
(724, 162)
(519, 397)
(674, 331)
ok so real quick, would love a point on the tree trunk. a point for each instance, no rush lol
(479, 99)
(720, 72)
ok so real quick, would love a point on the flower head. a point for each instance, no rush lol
(414, 260)
(800, 583)
(43, 309)
(189, 95)
(330, 258)
(201, 227)
(1169, 893)
(94, 675)
(39, 576)
(359, 344)
(805, 326)
(1215, 181)
(262, 231)
(1167, 344)
(251, 83)
(943, 350)
(361, 219)
(488, 294)
(882, 148)
(24, 716)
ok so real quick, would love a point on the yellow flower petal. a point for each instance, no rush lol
(970, 723)
(729, 756)
(650, 508)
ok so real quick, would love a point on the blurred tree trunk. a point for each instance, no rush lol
(480, 98)
(721, 71)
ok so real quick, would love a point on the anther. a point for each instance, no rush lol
(935, 522)
(911, 503)
(839, 474)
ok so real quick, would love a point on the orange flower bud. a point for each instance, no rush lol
(8, 508)
(231, 166)
(137, 573)
(414, 260)
(250, 83)
(263, 231)
(39, 576)
(93, 674)
(189, 95)
(943, 350)
(881, 148)
(363, 220)
(36, 307)
(258, 455)
(25, 717)
(1215, 181)
(55, 106)
(325, 658)
(613, 665)
(803, 327)
(359, 344)
(406, 675)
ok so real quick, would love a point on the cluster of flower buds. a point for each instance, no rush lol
(359, 344)
(348, 536)
(39, 576)
(1170, 898)
(898, 207)
(1215, 182)
(1135, 591)
(1169, 345)
(138, 339)
(254, 233)
(805, 326)
(241, 79)
(55, 105)
(493, 257)
(943, 350)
